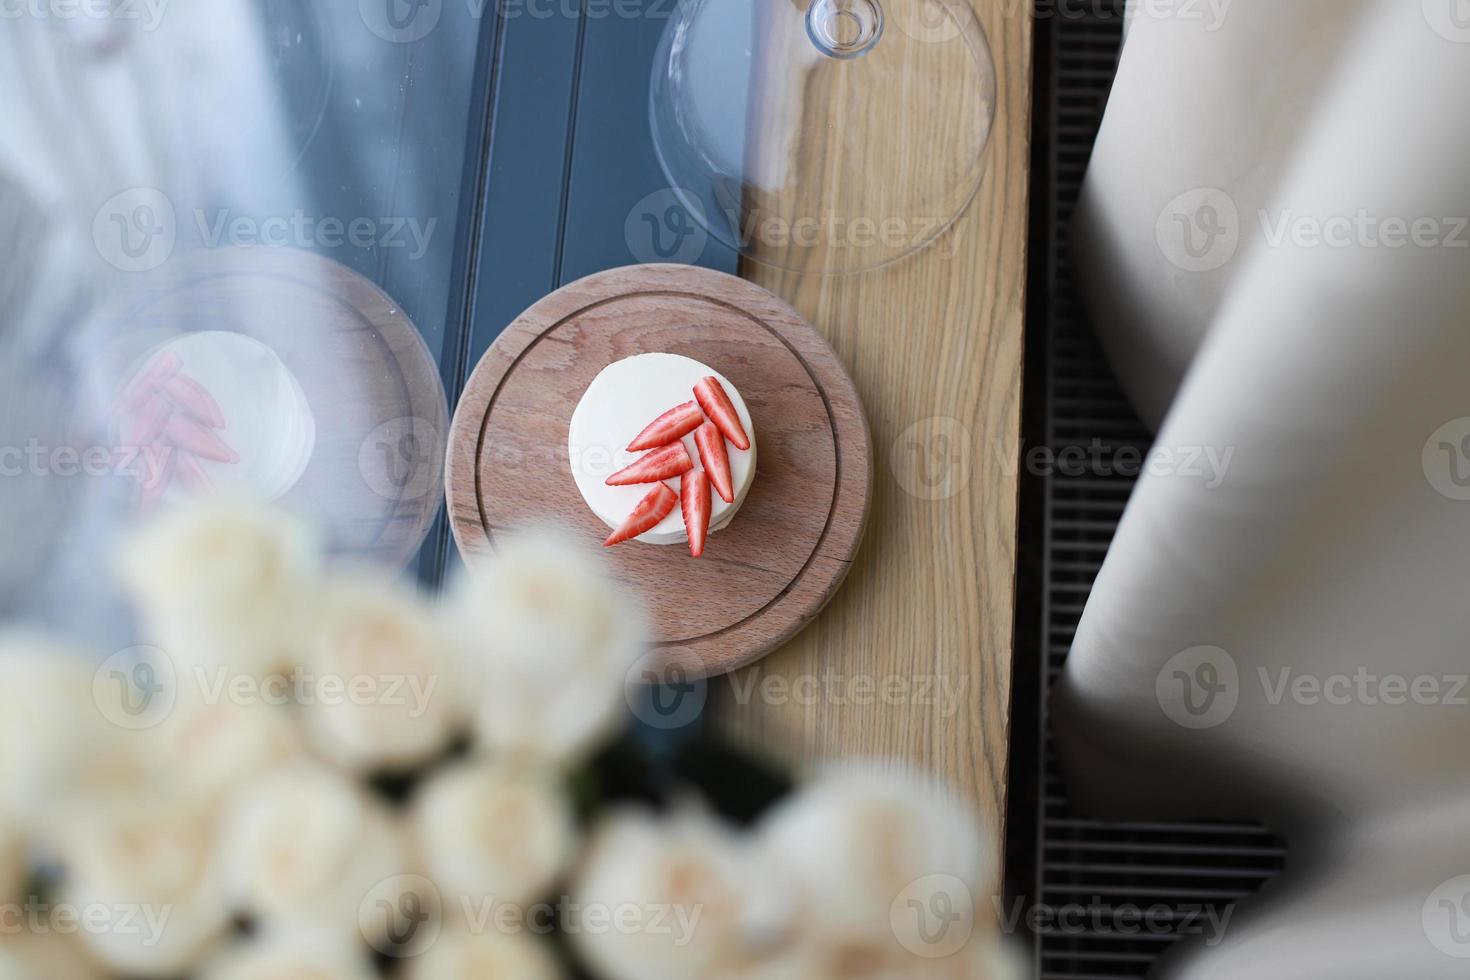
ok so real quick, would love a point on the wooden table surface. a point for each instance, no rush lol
(911, 661)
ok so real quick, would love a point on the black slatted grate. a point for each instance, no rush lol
(1101, 874)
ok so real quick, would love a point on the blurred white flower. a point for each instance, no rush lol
(993, 958)
(292, 955)
(45, 956)
(13, 864)
(463, 955)
(304, 847)
(116, 767)
(550, 641)
(105, 782)
(401, 916)
(149, 860)
(188, 745)
(395, 697)
(489, 832)
(218, 745)
(859, 842)
(223, 583)
(14, 968)
(981, 959)
(688, 898)
(48, 724)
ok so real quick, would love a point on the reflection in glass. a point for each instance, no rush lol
(229, 248)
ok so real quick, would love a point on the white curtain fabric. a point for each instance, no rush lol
(1273, 246)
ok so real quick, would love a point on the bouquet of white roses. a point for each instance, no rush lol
(309, 772)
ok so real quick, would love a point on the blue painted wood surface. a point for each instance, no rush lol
(568, 181)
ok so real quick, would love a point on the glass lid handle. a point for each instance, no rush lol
(844, 28)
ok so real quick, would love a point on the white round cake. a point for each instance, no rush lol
(268, 421)
(619, 403)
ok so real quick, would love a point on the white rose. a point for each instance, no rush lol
(14, 968)
(464, 955)
(859, 842)
(117, 769)
(488, 833)
(216, 745)
(45, 956)
(981, 959)
(14, 867)
(687, 897)
(223, 584)
(551, 641)
(305, 847)
(397, 699)
(292, 955)
(989, 957)
(48, 724)
(149, 858)
(188, 741)
(114, 775)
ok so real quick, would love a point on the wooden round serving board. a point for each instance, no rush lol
(768, 573)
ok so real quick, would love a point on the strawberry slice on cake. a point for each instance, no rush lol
(657, 505)
(661, 464)
(694, 501)
(711, 445)
(721, 411)
(673, 424)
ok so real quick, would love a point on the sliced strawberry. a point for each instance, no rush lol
(151, 488)
(194, 438)
(721, 411)
(195, 399)
(694, 498)
(672, 425)
(146, 423)
(160, 367)
(671, 460)
(716, 462)
(650, 510)
(192, 476)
